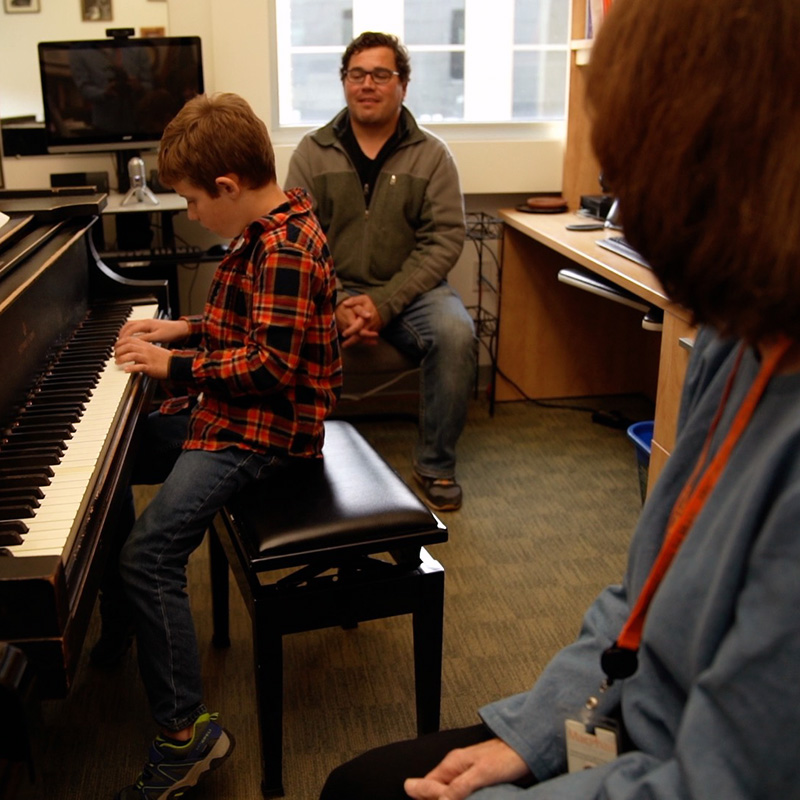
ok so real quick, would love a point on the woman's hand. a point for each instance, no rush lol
(468, 769)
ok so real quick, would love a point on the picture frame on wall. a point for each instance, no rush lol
(96, 11)
(22, 6)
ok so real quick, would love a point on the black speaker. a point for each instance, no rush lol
(97, 179)
(24, 139)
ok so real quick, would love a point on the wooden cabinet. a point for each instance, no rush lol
(581, 169)
(676, 344)
(556, 341)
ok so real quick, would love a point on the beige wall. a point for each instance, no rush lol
(59, 20)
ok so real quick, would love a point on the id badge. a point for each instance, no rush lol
(586, 750)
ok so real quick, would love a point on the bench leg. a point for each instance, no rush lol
(220, 598)
(428, 620)
(268, 656)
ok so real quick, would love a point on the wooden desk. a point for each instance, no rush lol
(167, 201)
(556, 341)
(168, 205)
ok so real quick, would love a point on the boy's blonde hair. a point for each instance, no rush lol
(213, 136)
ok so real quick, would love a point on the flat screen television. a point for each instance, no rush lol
(116, 94)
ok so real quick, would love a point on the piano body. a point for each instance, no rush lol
(69, 419)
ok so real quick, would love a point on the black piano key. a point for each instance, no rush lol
(40, 433)
(45, 407)
(72, 373)
(31, 422)
(67, 371)
(71, 368)
(18, 510)
(62, 421)
(10, 449)
(64, 395)
(26, 477)
(22, 460)
(35, 438)
(17, 491)
(14, 525)
(81, 360)
(70, 381)
(12, 531)
(76, 393)
(83, 347)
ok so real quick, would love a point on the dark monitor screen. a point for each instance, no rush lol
(114, 94)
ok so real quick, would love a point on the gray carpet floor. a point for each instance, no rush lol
(550, 502)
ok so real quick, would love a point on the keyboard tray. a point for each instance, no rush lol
(620, 246)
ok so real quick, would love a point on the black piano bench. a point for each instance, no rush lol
(354, 535)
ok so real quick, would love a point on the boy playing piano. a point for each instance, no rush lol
(260, 371)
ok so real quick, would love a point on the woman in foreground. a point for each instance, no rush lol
(683, 680)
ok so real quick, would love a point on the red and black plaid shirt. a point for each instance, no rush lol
(267, 369)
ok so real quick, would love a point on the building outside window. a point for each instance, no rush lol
(472, 61)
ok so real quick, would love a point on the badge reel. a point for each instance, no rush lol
(593, 740)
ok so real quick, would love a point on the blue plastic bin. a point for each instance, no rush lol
(641, 434)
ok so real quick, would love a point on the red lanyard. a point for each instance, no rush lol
(619, 661)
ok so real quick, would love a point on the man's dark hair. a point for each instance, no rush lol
(370, 39)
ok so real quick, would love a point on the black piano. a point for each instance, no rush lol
(69, 419)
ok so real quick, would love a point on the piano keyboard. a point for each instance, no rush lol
(64, 498)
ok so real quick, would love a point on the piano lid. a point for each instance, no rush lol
(57, 203)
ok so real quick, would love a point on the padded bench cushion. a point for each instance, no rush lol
(348, 500)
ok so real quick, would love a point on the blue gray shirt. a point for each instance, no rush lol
(712, 711)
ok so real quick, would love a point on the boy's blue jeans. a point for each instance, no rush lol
(436, 331)
(155, 554)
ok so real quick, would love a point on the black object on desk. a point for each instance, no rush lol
(596, 205)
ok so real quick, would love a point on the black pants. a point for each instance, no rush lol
(380, 773)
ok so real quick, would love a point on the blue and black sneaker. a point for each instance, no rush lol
(173, 769)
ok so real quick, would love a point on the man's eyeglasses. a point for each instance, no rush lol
(379, 75)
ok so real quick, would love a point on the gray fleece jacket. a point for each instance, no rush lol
(711, 713)
(413, 232)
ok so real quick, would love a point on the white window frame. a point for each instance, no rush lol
(486, 97)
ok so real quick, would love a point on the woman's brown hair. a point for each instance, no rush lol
(696, 122)
(212, 136)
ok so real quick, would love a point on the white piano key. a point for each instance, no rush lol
(73, 478)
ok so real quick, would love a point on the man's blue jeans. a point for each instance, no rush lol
(437, 332)
(155, 554)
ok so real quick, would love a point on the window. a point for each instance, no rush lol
(472, 61)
